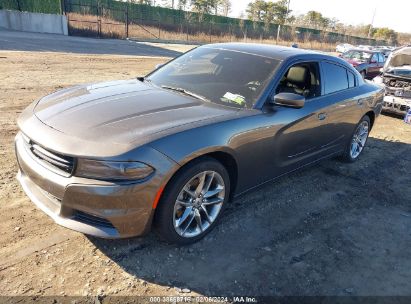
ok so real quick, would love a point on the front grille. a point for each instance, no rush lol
(60, 163)
(92, 220)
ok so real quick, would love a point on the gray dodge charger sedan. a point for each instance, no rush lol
(171, 149)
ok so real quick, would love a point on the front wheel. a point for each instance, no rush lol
(358, 140)
(193, 202)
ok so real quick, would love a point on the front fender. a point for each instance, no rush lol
(188, 145)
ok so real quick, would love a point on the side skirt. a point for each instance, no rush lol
(291, 171)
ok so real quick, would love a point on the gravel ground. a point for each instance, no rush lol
(332, 229)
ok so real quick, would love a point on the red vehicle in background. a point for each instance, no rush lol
(367, 62)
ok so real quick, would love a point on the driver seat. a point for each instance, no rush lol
(298, 81)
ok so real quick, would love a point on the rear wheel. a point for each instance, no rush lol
(193, 202)
(358, 140)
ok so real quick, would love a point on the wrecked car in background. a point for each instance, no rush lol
(396, 78)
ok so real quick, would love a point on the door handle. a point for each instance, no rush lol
(322, 116)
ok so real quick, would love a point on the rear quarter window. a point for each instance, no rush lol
(335, 78)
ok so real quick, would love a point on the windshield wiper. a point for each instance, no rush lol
(184, 91)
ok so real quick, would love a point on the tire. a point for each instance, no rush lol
(179, 224)
(357, 138)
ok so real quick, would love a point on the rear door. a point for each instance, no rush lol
(340, 94)
(374, 66)
(381, 61)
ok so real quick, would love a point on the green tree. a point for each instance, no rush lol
(257, 10)
(280, 11)
(225, 7)
(202, 6)
(211, 6)
(268, 11)
(146, 2)
(385, 33)
(182, 4)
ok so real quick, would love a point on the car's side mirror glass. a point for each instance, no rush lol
(291, 100)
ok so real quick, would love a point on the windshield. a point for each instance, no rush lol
(357, 55)
(224, 77)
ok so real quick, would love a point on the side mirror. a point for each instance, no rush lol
(159, 66)
(289, 100)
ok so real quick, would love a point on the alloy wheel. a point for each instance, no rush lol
(359, 139)
(198, 204)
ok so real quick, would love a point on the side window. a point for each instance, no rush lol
(381, 57)
(335, 78)
(374, 58)
(302, 79)
(351, 79)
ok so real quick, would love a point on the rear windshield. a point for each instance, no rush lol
(357, 55)
(224, 77)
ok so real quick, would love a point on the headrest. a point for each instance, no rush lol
(297, 74)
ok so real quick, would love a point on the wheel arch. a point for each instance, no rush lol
(371, 116)
(224, 157)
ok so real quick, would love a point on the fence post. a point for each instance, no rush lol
(62, 7)
(278, 33)
(126, 20)
(98, 19)
(159, 25)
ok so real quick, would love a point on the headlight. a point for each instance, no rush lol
(112, 170)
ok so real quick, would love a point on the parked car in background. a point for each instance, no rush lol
(396, 79)
(365, 47)
(367, 62)
(110, 159)
(343, 47)
(384, 50)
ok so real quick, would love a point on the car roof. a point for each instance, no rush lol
(265, 50)
(281, 53)
(364, 50)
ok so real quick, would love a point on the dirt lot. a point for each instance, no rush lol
(334, 229)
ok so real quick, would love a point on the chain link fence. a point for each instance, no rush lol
(119, 19)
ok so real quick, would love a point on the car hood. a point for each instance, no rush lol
(122, 111)
(399, 62)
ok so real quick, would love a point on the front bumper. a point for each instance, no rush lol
(396, 105)
(98, 208)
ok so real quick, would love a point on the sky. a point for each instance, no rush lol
(394, 14)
